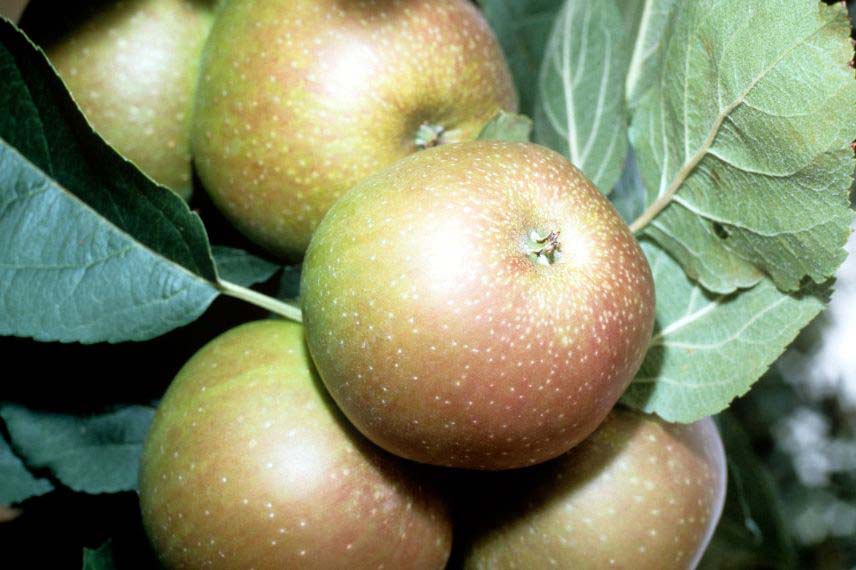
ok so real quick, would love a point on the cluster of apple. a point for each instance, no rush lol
(469, 304)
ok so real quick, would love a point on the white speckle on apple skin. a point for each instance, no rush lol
(133, 68)
(301, 99)
(274, 504)
(513, 362)
(584, 510)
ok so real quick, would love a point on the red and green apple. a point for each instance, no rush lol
(477, 305)
(301, 99)
(249, 465)
(638, 494)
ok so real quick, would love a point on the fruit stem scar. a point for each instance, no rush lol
(275, 306)
(544, 249)
(428, 136)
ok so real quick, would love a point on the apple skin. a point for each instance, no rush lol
(440, 333)
(12, 9)
(301, 99)
(132, 67)
(249, 465)
(8, 514)
(638, 494)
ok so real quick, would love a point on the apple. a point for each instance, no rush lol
(12, 9)
(8, 514)
(638, 494)
(132, 67)
(476, 305)
(249, 465)
(301, 99)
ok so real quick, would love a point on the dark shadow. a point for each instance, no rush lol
(47, 21)
(81, 378)
(53, 529)
(721, 231)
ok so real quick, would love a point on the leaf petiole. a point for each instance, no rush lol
(664, 200)
(275, 306)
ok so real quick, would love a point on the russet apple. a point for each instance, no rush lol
(301, 99)
(476, 305)
(249, 465)
(132, 67)
(638, 494)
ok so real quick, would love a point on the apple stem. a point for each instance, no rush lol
(275, 306)
(544, 249)
(429, 136)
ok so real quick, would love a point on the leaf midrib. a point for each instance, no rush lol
(58, 186)
(690, 164)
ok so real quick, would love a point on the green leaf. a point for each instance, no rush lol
(90, 454)
(522, 27)
(705, 257)
(241, 268)
(289, 283)
(645, 22)
(628, 196)
(92, 249)
(752, 531)
(746, 142)
(710, 348)
(580, 110)
(16, 482)
(100, 558)
(507, 127)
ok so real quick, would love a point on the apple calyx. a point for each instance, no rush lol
(428, 136)
(544, 249)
